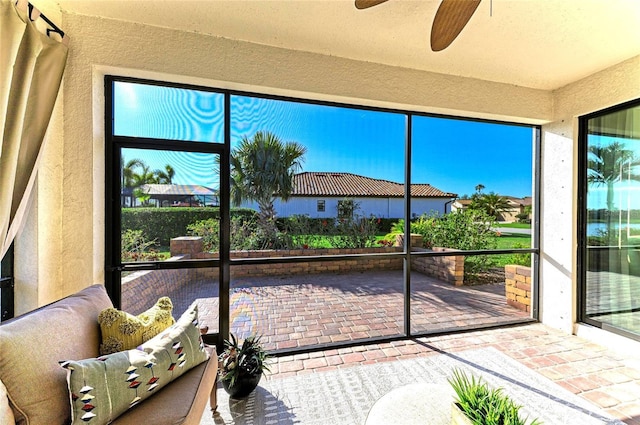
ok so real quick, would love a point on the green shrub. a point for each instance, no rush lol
(355, 232)
(485, 406)
(162, 224)
(521, 259)
(523, 218)
(295, 232)
(384, 224)
(307, 232)
(244, 233)
(465, 230)
(136, 247)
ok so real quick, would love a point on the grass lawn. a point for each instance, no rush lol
(514, 225)
(514, 241)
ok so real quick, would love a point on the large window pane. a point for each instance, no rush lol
(141, 290)
(142, 110)
(482, 176)
(343, 186)
(324, 184)
(612, 283)
(168, 195)
(346, 187)
(294, 310)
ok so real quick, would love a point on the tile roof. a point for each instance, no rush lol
(353, 185)
(177, 190)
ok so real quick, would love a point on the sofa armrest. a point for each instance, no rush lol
(183, 401)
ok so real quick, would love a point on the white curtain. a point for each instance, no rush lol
(33, 54)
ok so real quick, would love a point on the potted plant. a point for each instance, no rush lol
(477, 404)
(241, 366)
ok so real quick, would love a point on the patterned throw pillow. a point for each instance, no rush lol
(123, 331)
(103, 388)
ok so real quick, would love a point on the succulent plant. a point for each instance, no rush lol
(240, 360)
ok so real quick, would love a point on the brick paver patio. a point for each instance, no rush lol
(298, 311)
(608, 379)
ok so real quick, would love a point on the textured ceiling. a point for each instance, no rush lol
(542, 44)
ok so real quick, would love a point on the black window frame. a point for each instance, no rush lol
(113, 268)
(321, 205)
(7, 286)
(113, 144)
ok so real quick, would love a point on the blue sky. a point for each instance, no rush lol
(452, 155)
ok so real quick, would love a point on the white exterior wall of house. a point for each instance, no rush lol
(378, 207)
(62, 249)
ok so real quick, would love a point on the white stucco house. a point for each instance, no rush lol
(317, 194)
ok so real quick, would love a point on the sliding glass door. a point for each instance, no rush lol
(610, 227)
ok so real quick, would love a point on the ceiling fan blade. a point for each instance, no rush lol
(450, 19)
(365, 4)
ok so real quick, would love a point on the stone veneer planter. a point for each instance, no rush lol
(518, 286)
(449, 269)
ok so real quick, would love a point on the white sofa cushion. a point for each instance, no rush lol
(6, 414)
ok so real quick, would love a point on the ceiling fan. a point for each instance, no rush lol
(451, 17)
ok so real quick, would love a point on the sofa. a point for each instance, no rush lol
(35, 386)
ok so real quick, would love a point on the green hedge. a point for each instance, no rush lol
(383, 224)
(162, 224)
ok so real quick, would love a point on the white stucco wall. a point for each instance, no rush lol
(559, 189)
(66, 237)
(378, 207)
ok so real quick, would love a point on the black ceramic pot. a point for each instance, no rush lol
(243, 385)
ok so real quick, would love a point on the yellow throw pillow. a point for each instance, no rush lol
(123, 331)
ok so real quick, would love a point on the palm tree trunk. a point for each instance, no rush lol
(266, 219)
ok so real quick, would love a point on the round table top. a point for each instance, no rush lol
(413, 404)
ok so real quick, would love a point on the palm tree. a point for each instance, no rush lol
(129, 170)
(491, 203)
(609, 164)
(262, 168)
(136, 173)
(128, 180)
(145, 176)
(165, 176)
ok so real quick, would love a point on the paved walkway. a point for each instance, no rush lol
(606, 378)
(298, 311)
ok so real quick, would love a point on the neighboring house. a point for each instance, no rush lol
(460, 204)
(318, 194)
(174, 195)
(517, 206)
